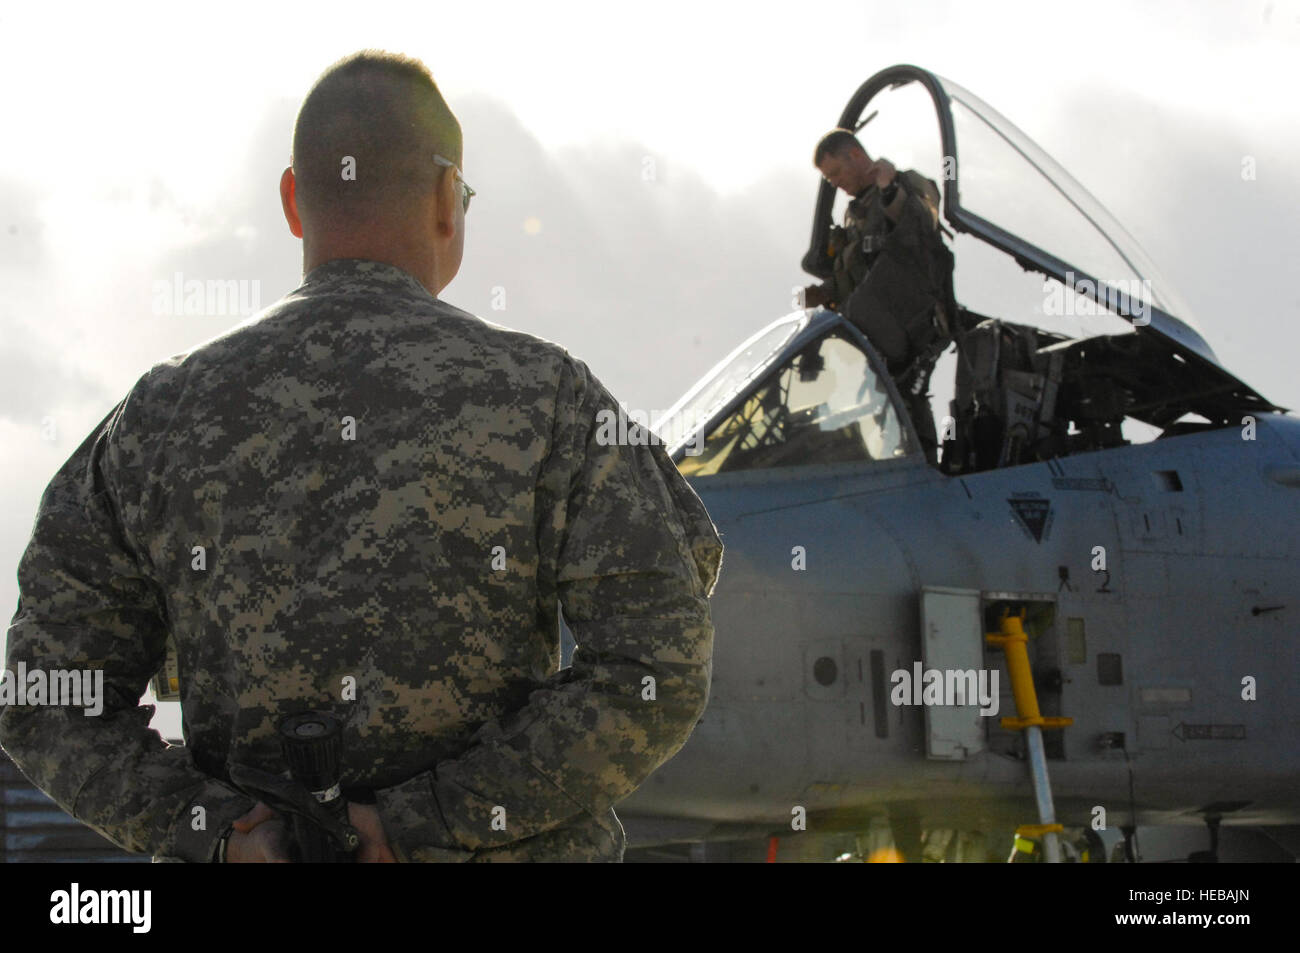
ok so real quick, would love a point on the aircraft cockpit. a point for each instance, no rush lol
(1067, 339)
(825, 402)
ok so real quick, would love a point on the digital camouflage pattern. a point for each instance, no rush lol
(423, 555)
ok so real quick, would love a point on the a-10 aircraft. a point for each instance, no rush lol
(858, 705)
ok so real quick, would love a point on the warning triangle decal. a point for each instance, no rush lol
(1033, 514)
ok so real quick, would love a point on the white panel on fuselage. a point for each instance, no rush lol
(952, 639)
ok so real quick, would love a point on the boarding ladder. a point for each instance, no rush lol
(1012, 640)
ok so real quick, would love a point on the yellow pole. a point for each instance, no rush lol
(1013, 641)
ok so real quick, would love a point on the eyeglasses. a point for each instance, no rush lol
(466, 192)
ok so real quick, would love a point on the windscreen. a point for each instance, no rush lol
(726, 379)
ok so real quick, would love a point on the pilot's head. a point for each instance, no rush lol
(375, 169)
(843, 162)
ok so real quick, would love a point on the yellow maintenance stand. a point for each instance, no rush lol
(1012, 640)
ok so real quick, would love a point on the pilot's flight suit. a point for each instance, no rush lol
(391, 494)
(893, 281)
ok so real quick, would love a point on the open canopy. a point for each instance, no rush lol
(1034, 250)
(1001, 187)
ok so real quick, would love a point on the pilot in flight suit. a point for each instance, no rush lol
(892, 273)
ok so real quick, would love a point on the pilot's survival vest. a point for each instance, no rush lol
(907, 263)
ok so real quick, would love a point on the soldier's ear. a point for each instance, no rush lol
(289, 202)
(448, 201)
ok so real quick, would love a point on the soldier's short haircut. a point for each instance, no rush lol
(834, 143)
(384, 113)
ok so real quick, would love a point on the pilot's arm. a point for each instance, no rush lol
(632, 555)
(913, 188)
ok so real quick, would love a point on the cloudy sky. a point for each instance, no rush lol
(142, 142)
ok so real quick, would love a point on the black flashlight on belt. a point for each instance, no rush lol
(312, 745)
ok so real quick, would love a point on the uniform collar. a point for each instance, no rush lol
(361, 276)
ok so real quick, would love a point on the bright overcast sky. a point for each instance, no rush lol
(724, 87)
(139, 141)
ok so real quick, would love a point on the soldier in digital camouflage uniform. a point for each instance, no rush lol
(386, 489)
(892, 271)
